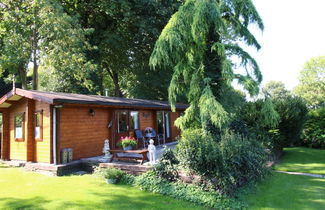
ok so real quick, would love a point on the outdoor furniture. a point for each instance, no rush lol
(139, 136)
(150, 133)
(142, 152)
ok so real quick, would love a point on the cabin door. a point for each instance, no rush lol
(127, 121)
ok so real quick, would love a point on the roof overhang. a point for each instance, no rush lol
(7, 100)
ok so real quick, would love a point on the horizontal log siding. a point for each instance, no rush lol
(175, 131)
(83, 133)
(18, 150)
(147, 119)
(43, 147)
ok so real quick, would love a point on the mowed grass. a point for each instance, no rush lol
(284, 191)
(27, 190)
(300, 159)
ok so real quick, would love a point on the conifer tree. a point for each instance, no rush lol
(199, 42)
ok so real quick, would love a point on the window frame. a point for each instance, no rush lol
(22, 139)
(41, 125)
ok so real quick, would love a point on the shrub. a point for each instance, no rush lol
(189, 192)
(117, 175)
(244, 161)
(167, 165)
(293, 114)
(200, 153)
(314, 129)
(227, 164)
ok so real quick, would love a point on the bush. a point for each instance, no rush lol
(314, 129)
(244, 161)
(189, 192)
(200, 153)
(167, 165)
(118, 175)
(227, 164)
(293, 114)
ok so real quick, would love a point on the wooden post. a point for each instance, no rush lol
(5, 143)
(31, 153)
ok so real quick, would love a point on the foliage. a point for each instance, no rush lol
(244, 161)
(113, 173)
(311, 85)
(293, 114)
(275, 90)
(228, 163)
(150, 182)
(127, 141)
(197, 43)
(314, 129)
(200, 153)
(167, 166)
(124, 33)
(42, 33)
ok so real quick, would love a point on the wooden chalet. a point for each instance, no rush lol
(38, 125)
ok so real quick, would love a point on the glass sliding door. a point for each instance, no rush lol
(163, 124)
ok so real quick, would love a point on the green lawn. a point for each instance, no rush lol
(284, 191)
(28, 190)
(300, 159)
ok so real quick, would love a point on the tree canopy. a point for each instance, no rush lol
(124, 34)
(275, 89)
(198, 43)
(40, 33)
(311, 85)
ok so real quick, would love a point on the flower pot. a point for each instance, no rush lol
(127, 148)
(110, 181)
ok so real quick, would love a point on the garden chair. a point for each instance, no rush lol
(139, 136)
(150, 133)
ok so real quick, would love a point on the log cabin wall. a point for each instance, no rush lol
(147, 119)
(174, 130)
(43, 145)
(83, 132)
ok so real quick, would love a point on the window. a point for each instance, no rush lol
(134, 120)
(39, 125)
(122, 118)
(19, 126)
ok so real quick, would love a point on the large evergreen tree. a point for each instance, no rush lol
(199, 43)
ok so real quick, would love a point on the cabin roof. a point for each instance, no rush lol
(57, 98)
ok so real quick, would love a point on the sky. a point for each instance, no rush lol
(294, 32)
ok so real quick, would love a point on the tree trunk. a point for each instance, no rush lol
(22, 75)
(34, 53)
(117, 88)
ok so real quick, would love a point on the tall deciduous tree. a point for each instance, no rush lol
(311, 85)
(275, 90)
(198, 43)
(40, 33)
(124, 36)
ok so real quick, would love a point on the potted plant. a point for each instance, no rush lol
(127, 142)
(112, 175)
